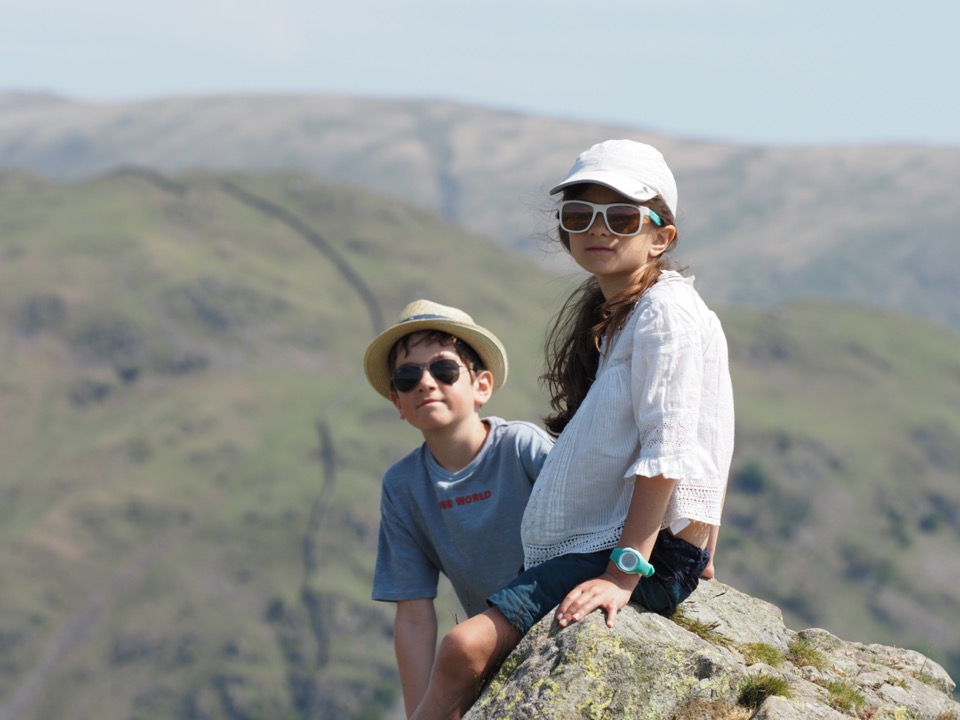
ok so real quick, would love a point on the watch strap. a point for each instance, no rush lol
(643, 567)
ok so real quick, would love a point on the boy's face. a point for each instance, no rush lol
(434, 405)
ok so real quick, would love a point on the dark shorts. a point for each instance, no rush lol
(537, 591)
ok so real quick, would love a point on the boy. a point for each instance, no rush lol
(454, 504)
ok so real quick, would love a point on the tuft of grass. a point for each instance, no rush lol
(802, 653)
(754, 691)
(923, 677)
(706, 631)
(901, 713)
(844, 697)
(759, 652)
(716, 708)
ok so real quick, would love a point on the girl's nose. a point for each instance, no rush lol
(598, 226)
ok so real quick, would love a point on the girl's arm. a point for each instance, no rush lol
(612, 590)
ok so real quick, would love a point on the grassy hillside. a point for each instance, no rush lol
(877, 226)
(845, 506)
(191, 456)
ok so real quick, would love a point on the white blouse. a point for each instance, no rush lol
(661, 404)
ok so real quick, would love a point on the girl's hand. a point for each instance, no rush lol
(611, 591)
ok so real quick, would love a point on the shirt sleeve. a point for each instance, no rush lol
(533, 445)
(403, 570)
(666, 381)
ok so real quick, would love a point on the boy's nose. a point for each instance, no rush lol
(427, 379)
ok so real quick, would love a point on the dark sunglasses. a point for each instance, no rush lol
(577, 216)
(407, 377)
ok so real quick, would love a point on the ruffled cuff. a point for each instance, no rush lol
(675, 467)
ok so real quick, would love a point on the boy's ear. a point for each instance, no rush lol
(662, 239)
(484, 385)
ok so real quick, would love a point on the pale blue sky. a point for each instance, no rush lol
(749, 71)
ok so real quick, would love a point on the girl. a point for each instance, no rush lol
(643, 412)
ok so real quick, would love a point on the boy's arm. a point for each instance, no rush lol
(415, 642)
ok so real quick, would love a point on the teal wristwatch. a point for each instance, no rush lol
(630, 561)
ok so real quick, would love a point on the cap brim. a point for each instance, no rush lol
(628, 187)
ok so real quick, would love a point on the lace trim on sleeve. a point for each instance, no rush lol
(667, 450)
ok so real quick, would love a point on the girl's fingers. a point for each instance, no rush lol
(568, 601)
(580, 602)
(611, 609)
(574, 606)
(587, 597)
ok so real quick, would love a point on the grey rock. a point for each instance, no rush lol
(703, 663)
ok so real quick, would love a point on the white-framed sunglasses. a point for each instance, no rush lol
(577, 216)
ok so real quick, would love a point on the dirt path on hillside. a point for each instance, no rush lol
(79, 629)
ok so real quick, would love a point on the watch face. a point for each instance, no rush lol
(628, 561)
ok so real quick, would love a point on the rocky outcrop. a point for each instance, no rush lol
(724, 655)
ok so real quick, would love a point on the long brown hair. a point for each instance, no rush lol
(573, 339)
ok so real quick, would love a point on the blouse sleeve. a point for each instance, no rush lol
(666, 385)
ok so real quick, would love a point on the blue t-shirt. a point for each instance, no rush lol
(465, 524)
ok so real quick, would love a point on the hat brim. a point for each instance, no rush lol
(485, 343)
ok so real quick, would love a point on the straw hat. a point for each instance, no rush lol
(426, 315)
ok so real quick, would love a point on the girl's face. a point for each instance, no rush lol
(615, 260)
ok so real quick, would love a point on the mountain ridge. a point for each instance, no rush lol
(869, 224)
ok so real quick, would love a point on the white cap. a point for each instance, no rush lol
(633, 169)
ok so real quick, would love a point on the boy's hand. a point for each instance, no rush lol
(611, 591)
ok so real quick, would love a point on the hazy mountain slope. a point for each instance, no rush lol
(191, 457)
(874, 225)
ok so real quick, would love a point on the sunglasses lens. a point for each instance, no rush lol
(575, 216)
(407, 377)
(624, 219)
(445, 371)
